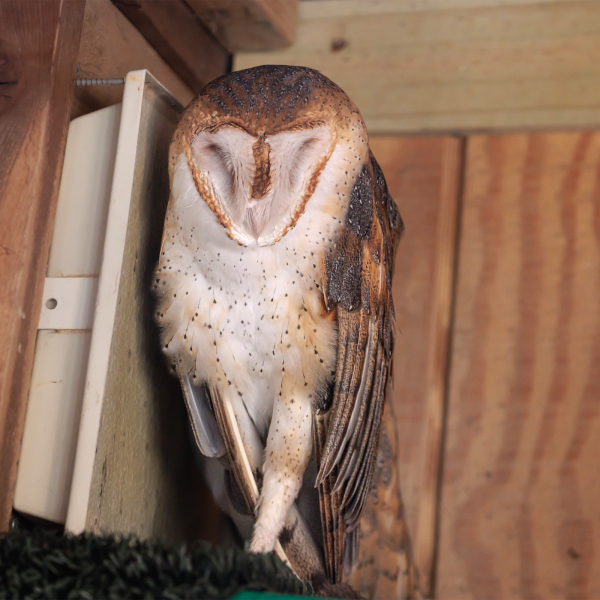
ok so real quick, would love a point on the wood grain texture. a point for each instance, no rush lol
(175, 32)
(249, 25)
(423, 177)
(145, 480)
(454, 66)
(111, 47)
(521, 491)
(38, 42)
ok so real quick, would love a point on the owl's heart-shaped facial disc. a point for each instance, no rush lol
(259, 180)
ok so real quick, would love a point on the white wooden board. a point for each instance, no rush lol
(134, 468)
(62, 346)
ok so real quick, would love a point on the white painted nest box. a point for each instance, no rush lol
(104, 445)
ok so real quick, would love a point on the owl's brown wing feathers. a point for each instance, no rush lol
(347, 425)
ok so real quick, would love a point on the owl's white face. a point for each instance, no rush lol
(260, 182)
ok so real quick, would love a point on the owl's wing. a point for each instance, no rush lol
(202, 418)
(357, 281)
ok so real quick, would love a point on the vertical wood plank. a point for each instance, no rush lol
(39, 43)
(423, 177)
(521, 491)
(142, 476)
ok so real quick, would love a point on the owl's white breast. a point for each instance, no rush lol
(243, 316)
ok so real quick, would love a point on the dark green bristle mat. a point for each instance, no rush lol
(44, 564)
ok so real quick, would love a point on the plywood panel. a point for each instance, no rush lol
(521, 492)
(423, 178)
(134, 466)
(454, 65)
(38, 51)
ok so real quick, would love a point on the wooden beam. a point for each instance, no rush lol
(423, 176)
(454, 65)
(249, 25)
(111, 47)
(180, 39)
(39, 42)
(521, 488)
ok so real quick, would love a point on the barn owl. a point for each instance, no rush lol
(274, 296)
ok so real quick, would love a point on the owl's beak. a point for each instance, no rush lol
(257, 216)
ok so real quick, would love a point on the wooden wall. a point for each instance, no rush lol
(36, 91)
(520, 510)
(497, 291)
(423, 175)
(504, 364)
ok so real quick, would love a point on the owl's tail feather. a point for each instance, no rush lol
(341, 545)
(386, 567)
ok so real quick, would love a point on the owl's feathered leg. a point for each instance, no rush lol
(289, 446)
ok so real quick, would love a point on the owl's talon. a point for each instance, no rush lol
(261, 542)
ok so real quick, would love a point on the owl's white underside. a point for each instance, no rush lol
(251, 321)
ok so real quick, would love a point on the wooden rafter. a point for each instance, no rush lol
(249, 25)
(179, 38)
(40, 42)
(110, 47)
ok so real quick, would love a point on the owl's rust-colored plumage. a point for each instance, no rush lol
(357, 283)
(263, 102)
(275, 303)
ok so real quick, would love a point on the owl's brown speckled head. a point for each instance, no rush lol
(257, 142)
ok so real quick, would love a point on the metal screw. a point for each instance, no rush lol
(99, 81)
